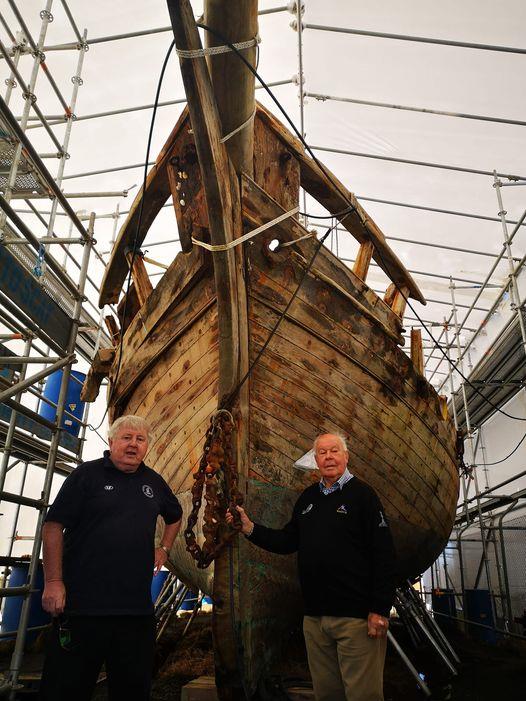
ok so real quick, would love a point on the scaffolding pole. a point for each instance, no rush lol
(473, 465)
(425, 164)
(513, 286)
(481, 290)
(29, 101)
(423, 40)
(422, 110)
(16, 660)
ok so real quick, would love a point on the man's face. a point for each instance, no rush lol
(128, 448)
(331, 458)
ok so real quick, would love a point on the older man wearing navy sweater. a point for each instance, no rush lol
(346, 565)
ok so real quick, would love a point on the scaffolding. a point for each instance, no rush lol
(44, 311)
(478, 395)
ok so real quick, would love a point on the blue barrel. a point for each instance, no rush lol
(13, 604)
(189, 601)
(158, 581)
(479, 610)
(73, 403)
(443, 602)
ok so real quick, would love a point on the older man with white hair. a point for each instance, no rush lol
(99, 557)
(346, 571)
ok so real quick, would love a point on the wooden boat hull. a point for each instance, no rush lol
(333, 361)
(328, 367)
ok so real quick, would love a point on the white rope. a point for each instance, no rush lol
(245, 237)
(310, 235)
(214, 50)
(239, 128)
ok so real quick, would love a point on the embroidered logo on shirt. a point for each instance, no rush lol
(307, 509)
(341, 509)
(147, 490)
(382, 523)
(108, 487)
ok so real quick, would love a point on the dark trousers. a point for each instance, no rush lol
(80, 645)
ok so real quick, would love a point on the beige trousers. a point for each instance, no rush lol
(345, 664)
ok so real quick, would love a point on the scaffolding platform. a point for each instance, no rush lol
(27, 444)
(489, 505)
(498, 376)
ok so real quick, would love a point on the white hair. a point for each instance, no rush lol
(339, 436)
(136, 423)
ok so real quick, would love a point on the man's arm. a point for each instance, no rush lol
(165, 545)
(54, 595)
(276, 540)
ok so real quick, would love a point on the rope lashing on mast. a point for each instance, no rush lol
(239, 128)
(217, 476)
(247, 236)
(215, 50)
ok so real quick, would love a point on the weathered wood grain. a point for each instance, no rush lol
(318, 310)
(113, 329)
(175, 323)
(417, 353)
(276, 170)
(354, 393)
(363, 260)
(186, 187)
(169, 373)
(100, 368)
(234, 22)
(141, 280)
(259, 208)
(325, 187)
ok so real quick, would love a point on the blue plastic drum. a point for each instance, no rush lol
(189, 602)
(73, 403)
(157, 584)
(13, 604)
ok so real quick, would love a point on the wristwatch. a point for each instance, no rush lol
(166, 550)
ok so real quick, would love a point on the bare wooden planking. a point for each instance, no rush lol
(177, 319)
(276, 170)
(339, 371)
(259, 208)
(171, 369)
(318, 310)
(304, 377)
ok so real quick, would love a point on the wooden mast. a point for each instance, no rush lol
(220, 179)
(232, 81)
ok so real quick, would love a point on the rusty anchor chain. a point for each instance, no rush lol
(217, 476)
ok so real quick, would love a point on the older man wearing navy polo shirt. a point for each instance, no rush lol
(346, 568)
(99, 557)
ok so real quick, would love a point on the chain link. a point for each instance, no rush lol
(217, 476)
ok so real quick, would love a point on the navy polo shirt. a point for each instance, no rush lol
(109, 517)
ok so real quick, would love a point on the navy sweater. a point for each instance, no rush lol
(109, 518)
(346, 557)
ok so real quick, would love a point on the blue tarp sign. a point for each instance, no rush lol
(67, 441)
(24, 291)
